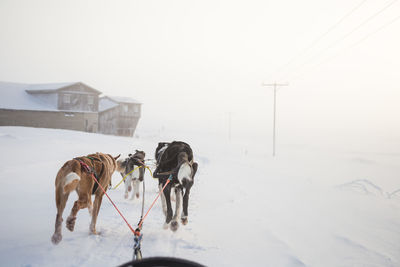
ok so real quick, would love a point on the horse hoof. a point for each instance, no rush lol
(71, 223)
(56, 238)
(94, 232)
(165, 226)
(174, 226)
(184, 221)
(137, 195)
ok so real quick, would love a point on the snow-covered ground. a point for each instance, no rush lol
(305, 207)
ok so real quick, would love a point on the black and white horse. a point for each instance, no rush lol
(134, 172)
(175, 160)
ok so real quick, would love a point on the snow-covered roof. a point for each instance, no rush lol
(48, 86)
(122, 99)
(106, 103)
(23, 96)
(14, 96)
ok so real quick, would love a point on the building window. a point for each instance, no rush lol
(67, 98)
(90, 100)
(125, 108)
(136, 108)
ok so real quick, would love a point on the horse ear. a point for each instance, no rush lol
(129, 155)
(117, 157)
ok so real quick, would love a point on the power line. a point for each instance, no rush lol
(376, 31)
(319, 38)
(333, 44)
(361, 40)
(363, 23)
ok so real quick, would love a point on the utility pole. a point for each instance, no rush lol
(275, 85)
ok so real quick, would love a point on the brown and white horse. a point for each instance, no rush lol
(74, 175)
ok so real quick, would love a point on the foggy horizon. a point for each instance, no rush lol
(321, 190)
(192, 64)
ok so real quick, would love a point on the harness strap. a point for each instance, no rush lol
(93, 169)
(137, 231)
(159, 194)
(138, 160)
(92, 159)
(137, 234)
(165, 173)
(84, 166)
(173, 171)
(94, 173)
(87, 168)
(124, 177)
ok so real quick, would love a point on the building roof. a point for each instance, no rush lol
(14, 96)
(123, 99)
(48, 86)
(107, 102)
(21, 96)
(52, 87)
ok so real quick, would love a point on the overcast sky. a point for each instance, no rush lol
(191, 63)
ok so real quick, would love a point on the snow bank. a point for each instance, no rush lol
(305, 207)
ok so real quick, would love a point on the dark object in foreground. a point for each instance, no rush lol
(161, 262)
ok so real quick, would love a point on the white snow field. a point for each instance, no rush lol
(305, 207)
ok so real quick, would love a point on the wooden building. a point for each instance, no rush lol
(73, 106)
(118, 115)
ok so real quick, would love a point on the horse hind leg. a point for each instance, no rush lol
(128, 186)
(167, 194)
(136, 183)
(81, 203)
(163, 201)
(178, 208)
(61, 200)
(96, 208)
(90, 205)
